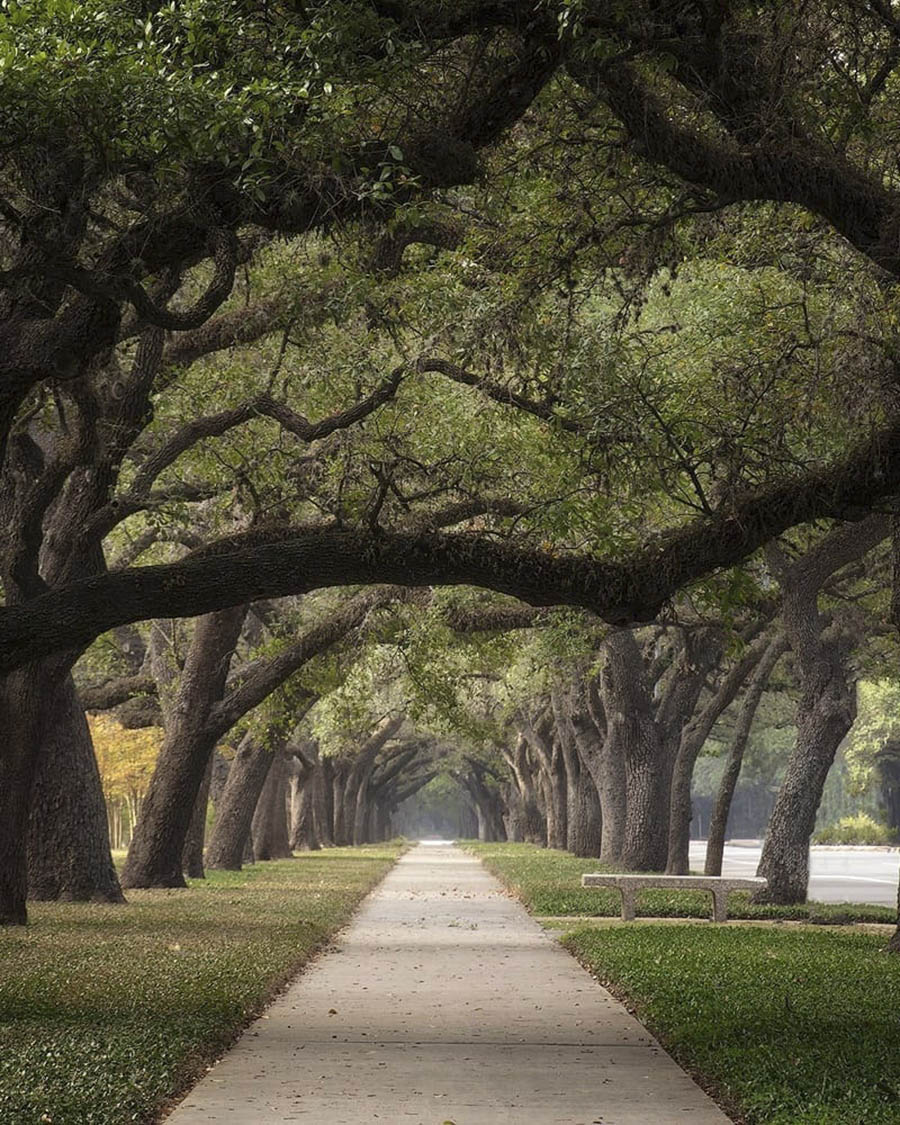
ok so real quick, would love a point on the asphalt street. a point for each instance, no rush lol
(836, 875)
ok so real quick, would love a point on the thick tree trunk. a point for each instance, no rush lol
(825, 717)
(544, 741)
(68, 832)
(154, 858)
(827, 706)
(585, 838)
(893, 945)
(270, 825)
(552, 780)
(607, 768)
(583, 814)
(694, 734)
(339, 771)
(644, 844)
(303, 783)
(514, 817)
(192, 853)
(633, 736)
(715, 844)
(237, 804)
(22, 714)
(219, 778)
(361, 814)
(486, 803)
(323, 807)
(533, 824)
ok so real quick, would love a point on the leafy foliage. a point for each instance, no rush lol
(126, 758)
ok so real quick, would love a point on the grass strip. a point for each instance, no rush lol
(107, 1012)
(549, 883)
(788, 1027)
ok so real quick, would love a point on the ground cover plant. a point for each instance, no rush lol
(106, 1011)
(788, 1026)
(548, 881)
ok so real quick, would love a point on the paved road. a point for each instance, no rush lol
(854, 875)
(445, 1002)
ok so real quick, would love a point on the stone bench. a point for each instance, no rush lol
(717, 885)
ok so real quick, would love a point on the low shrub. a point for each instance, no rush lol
(859, 829)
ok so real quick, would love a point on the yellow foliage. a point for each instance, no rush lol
(125, 757)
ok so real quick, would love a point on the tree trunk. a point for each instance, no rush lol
(893, 945)
(486, 804)
(154, 858)
(552, 780)
(583, 813)
(237, 804)
(192, 853)
(694, 734)
(715, 844)
(68, 832)
(339, 772)
(828, 702)
(634, 737)
(303, 782)
(219, 778)
(825, 716)
(361, 813)
(270, 826)
(607, 768)
(323, 807)
(534, 827)
(544, 741)
(513, 820)
(22, 714)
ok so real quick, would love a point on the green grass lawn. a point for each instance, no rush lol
(107, 1011)
(785, 1025)
(549, 882)
(789, 1026)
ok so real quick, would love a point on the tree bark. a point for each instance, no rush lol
(827, 705)
(237, 804)
(693, 738)
(22, 719)
(551, 780)
(154, 858)
(220, 769)
(533, 824)
(303, 797)
(606, 766)
(68, 832)
(192, 853)
(323, 808)
(584, 824)
(633, 736)
(269, 827)
(893, 945)
(715, 844)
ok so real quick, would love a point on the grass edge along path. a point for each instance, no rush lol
(792, 1025)
(548, 882)
(109, 1013)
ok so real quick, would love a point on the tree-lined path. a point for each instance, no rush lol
(444, 1001)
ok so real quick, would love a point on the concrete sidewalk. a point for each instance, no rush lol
(445, 1002)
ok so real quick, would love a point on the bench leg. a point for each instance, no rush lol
(627, 904)
(720, 905)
